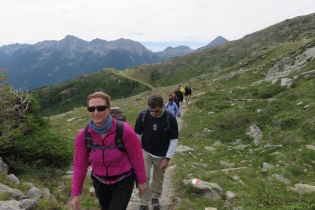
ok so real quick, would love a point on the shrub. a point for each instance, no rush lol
(25, 138)
(269, 91)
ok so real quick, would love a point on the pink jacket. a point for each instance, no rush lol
(115, 161)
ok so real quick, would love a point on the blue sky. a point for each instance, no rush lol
(155, 24)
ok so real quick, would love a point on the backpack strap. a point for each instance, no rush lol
(88, 138)
(143, 115)
(119, 136)
(168, 113)
(118, 140)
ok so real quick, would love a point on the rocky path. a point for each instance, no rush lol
(168, 190)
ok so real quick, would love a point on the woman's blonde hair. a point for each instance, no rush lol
(99, 94)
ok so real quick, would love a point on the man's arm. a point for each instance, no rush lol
(139, 137)
(138, 128)
(173, 137)
(172, 148)
(170, 153)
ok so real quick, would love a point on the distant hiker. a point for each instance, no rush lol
(172, 107)
(182, 89)
(180, 97)
(175, 99)
(157, 130)
(113, 171)
(170, 95)
(188, 93)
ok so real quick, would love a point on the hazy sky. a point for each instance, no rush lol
(156, 24)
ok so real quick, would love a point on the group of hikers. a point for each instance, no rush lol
(176, 98)
(121, 155)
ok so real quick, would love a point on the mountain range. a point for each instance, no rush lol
(52, 62)
(279, 46)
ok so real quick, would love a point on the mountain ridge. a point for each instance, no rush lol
(216, 42)
(51, 62)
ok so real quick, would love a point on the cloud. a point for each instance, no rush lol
(138, 33)
(64, 9)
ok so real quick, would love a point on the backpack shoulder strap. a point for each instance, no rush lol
(168, 113)
(119, 136)
(88, 138)
(143, 115)
(118, 140)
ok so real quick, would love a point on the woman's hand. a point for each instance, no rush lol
(141, 188)
(75, 202)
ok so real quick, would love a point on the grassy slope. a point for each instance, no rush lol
(68, 95)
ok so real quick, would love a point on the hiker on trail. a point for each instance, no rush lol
(180, 97)
(172, 107)
(157, 130)
(188, 93)
(182, 89)
(113, 171)
(175, 99)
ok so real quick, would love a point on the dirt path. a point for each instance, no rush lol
(136, 80)
(168, 190)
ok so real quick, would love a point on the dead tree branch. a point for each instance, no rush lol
(24, 100)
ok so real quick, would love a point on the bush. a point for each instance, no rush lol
(43, 148)
(288, 121)
(25, 138)
(214, 101)
(269, 91)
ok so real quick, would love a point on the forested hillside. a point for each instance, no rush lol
(69, 95)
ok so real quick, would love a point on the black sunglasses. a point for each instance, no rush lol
(99, 108)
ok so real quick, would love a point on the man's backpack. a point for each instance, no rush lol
(118, 140)
(168, 113)
(117, 113)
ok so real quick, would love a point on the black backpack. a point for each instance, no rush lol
(144, 113)
(118, 140)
